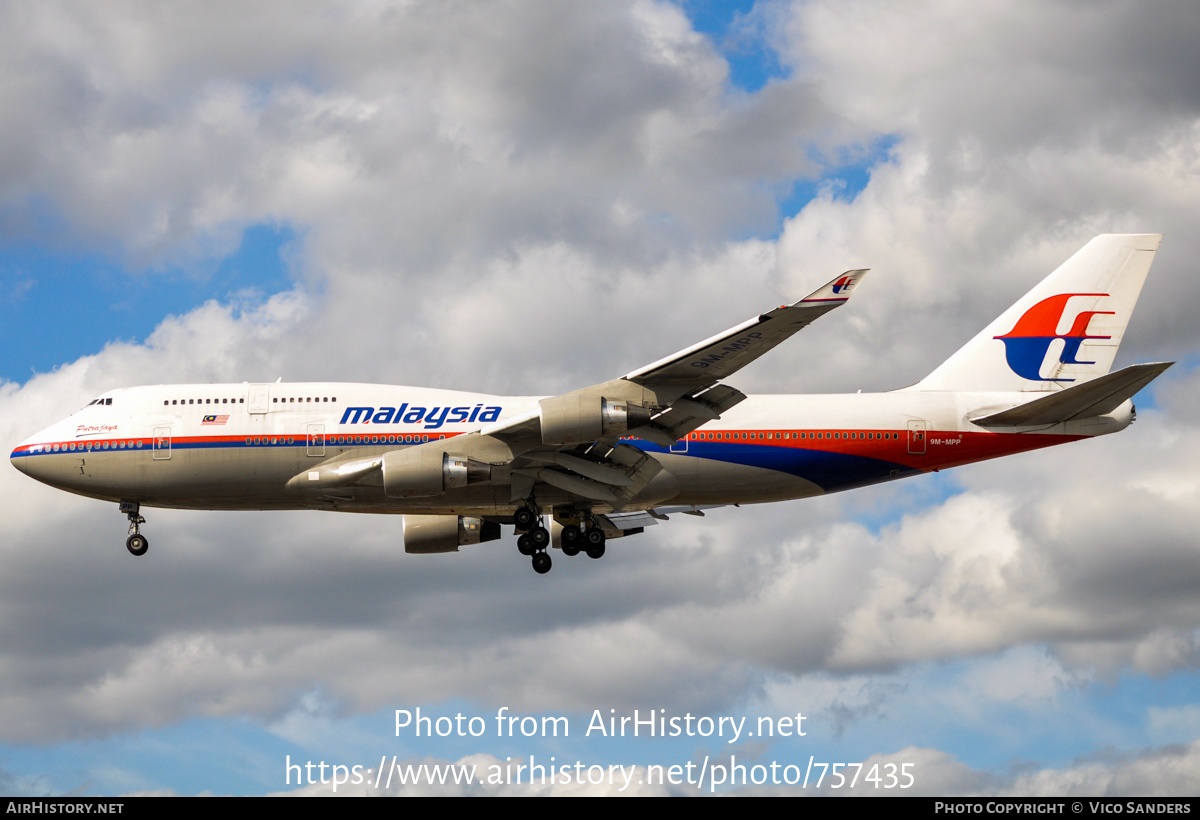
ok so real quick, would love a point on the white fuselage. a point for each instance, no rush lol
(237, 446)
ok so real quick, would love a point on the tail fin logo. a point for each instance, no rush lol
(845, 283)
(1026, 345)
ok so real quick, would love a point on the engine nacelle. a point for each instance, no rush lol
(422, 473)
(579, 419)
(424, 534)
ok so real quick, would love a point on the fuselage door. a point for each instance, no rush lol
(259, 398)
(916, 436)
(162, 443)
(316, 439)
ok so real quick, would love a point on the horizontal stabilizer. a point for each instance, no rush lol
(1093, 398)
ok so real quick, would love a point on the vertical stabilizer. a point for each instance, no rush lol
(1063, 332)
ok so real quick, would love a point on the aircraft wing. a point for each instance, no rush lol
(573, 442)
(726, 353)
(666, 400)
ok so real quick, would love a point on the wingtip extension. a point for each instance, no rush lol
(838, 289)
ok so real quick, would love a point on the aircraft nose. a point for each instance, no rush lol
(17, 461)
(28, 457)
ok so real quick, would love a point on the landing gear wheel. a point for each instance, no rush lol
(524, 518)
(137, 544)
(594, 538)
(541, 563)
(540, 536)
(525, 545)
(571, 539)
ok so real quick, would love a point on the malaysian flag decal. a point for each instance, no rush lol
(214, 420)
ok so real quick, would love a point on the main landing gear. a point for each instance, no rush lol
(136, 543)
(534, 539)
(576, 540)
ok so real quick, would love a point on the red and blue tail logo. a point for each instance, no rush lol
(845, 283)
(1026, 345)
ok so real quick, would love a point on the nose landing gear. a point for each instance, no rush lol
(136, 543)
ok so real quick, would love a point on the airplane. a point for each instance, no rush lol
(577, 470)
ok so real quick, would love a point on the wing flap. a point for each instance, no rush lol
(589, 469)
(620, 473)
(574, 484)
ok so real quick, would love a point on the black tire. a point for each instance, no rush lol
(541, 563)
(524, 518)
(571, 540)
(137, 544)
(596, 552)
(540, 537)
(594, 537)
(525, 545)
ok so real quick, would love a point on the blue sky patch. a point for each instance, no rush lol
(60, 306)
(739, 36)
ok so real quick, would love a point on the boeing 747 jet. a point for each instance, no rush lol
(577, 470)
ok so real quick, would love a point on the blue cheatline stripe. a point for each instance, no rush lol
(828, 470)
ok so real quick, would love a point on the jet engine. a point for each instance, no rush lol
(421, 473)
(424, 534)
(579, 419)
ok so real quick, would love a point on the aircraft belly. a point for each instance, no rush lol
(772, 472)
(214, 478)
(711, 481)
(239, 476)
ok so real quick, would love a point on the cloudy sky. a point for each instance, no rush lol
(529, 197)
